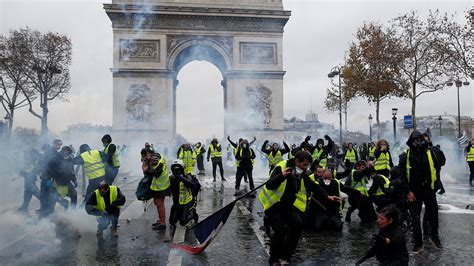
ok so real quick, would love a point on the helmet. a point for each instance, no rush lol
(177, 167)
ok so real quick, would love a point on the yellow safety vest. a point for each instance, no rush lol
(430, 162)
(189, 160)
(379, 191)
(198, 150)
(361, 186)
(371, 152)
(238, 161)
(100, 200)
(62, 190)
(185, 195)
(161, 182)
(93, 166)
(351, 156)
(383, 162)
(274, 160)
(214, 152)
(470, 155)
(115, 156)
(269, 197)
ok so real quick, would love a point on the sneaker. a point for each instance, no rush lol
(417, 249)
(155, 224)
(436, 242)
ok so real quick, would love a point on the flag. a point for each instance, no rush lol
(208, 229)
(463, 140)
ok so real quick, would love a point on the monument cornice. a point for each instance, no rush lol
(247, 74)
(198, 21)
(135, 72)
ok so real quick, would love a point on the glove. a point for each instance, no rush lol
(50, 183)
(307, 139)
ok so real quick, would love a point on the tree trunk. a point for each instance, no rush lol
(44, 119)
(10, 124)
(413, 105)
(377, 111)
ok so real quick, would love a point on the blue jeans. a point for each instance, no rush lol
(110, 174)
(105, 221)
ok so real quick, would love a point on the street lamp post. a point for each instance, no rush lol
(458, 85)
(440, 129)
(337, 71)
(394, 117)
(370, 126)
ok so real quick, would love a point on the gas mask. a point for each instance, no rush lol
(320, 145)
(244, 145)
(299, 170)
(327, 182)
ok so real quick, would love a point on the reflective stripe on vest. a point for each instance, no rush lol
(93, 166)
(161, 182)
(269, 197)
(100, 200)
(361, 186)
(115, 156)
(351, 156)
(470, 155)
(430, 162)
(214, 152)
(185, 195)
(274, 160)
(379, 191)
(382, 162)
(371, 151)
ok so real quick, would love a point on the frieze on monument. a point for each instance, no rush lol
(133, 50)
(258, 53)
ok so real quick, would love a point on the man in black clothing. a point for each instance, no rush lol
(378, 189)
(236, 146)
(64, 179)
(112, 163)
(418, 168)
(49, 154)
(244, 156)
(363, 151)
(200, 151)
(284, 199)
(328, 216)
(319, 152)
(183, 209)
(105, 203)
(390, 246)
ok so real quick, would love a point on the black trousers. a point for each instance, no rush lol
(471, 170)
(329, 221)
(425, 196)
(286, 226)
(182, 213)
(364, 205)
(216, 163)
(200, 162)
(243, 171)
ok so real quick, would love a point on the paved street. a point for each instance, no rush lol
(240, 242)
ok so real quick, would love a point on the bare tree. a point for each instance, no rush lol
(427, 63)
(47, 58)
(14, 83)
(373, 65)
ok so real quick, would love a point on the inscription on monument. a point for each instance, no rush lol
(258, 53)
(260, 104)
(139, 50)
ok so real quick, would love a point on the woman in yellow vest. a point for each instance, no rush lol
(105, 203)
(470, 160)
(382, 158)
(154, 166)
(284, 199)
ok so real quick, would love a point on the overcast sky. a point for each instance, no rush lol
(316, 38)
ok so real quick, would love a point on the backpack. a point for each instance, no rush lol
(143, 191)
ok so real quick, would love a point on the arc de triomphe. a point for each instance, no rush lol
(154, 39)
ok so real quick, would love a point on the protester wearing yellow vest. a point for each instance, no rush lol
(418, 167)
(358, 180)
(383, 159)
(183, 209)
(470, 160)
(275, 154)
(350, 156)
(215, 154)
(92, 162)
(105, 203)
(380, 184)
(322, 215)
(236, 147)
(319, 152)
(200, 151)
(284, 199)
(188, 156)
(371, 150)
(112, 163)
(245, 156)
(154, 166)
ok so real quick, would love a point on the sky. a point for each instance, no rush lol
(315, 39)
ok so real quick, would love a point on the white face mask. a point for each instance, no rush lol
(327, 182)
(299, 170)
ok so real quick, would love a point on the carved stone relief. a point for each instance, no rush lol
(224, 42)
(258, 53)
(139, 105)
(132, 50)
(260, 104)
